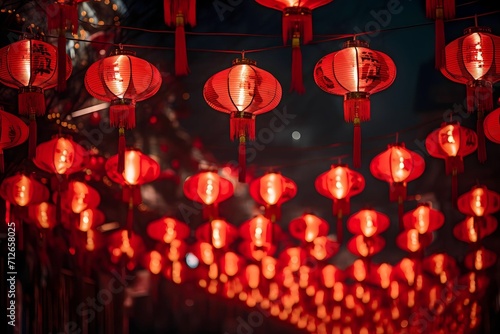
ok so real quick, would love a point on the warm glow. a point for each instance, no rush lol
(259, 226)
(359, 270)
(132, 169)
(328, 275)
(208, 187)
(125, 247)
(478, 260)
(294, 261)
(80, 192)
(338, 182)
(268, 267)
(218, 233)
(421, 218)
(43, 215)
(271, 188)
(400, 164)
(252, 275)
(471, 229)
(64, 155)
(368, 223)
(174, 250)
(231, 263)
(155, 262)
(206, 253)
(319, 250)
(449, 139)
(213, 271)
(242, 85)
(478, 201)
(22, 191)
(438, 263)
(312, 227)
(170, 232)
(394, 290)
(384, 271)
(408, 270)
(90, 244)
(474, 58)
(86, 220)
(362, 246)
(412, 240)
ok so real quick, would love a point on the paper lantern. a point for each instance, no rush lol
(23, 190)
(412, 241)
(472, 230)
(31, 66)
(297, 27)
(13, 132)
(474, 60)
(179, 13)
(452, 142)
(368, 223)
(90, 218)
(439, 10)
(60, 156)
(355, 72)
(340, 183)
(138, 170)
(423, 219)
(210, 189)
(168, 229)
(365, 247)
(441, 265)
(243, 91)
(480, 259)
(125, 249)
(479, 202)
(43, 215)
(272, 190)
(218, 232)
(308, 227)
(122, 79)
(492, 126)
(260, 237)
(397, 166)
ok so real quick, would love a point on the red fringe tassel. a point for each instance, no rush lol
(242, 126)
(121, 150)
(122, 115)
(181, 62)
(401, 212)
(297, 23)
(356, 107)
(242, 160)
(130, 217)
(32, 137)
(356, 145)
(31, 102)
(340, 229)
(481, 141)
(297, 80)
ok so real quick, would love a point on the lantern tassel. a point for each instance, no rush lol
(242, 159)
(481, 141)
(356, 153)
(242, 126)
(130, 217)
(454, 188)
(121, 150)
(401, 212)
(58, 206)
(61, 61)
(340, 229)
(297, 80)
(181, 63)
(32, 137)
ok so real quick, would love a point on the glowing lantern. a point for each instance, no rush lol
(308, 227)
(474, 60)
(452, 142)
(322, 248)
(124, 248)
(492, 126)
(480, 259)
(243, 91)
(441, 265)
(138, 170)
(79, 196)
(60, 156)
(272, 190)
(355, 72)
(90, 218)
(13, 132)
(479, 202)
(168, 229)
(412, 241)
(292, 258)
(297, 27)
(180, 13)
(423, 219)
(31, 66)
(208, 188)
(23, 190)
(439, 10)
(397, 166)
(43, 215)
(231, 264)
(368, 223)
(122, 79)
(219, 233)
(365, 247)
(471, 230)
(258, 235)
(154, 262)
(340, 183)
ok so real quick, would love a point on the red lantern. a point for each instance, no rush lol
(479, 202)
(452, 142)
(308, 227)
(480, 259)
(340, 183)
(297, 26)
(243, 91)
(423, 219)
(125, 247)
(219, 233)
(13, 132)
(31, 66)
(365, 247)
(80, 196)
(23, 190)
(368, 223)
(258, 235)
(439, 10)
(474, 60)
(412, 241)
(492, 126)
(272, 190)
(180, 13)
(43, 215)
(471, 230)
(210, 189)
(60, 156)
(90, 218)
(441, 265)
(168, 229)
(397, 166)
(138, 170)
(122, 79)
(322, 248)
(355, 72)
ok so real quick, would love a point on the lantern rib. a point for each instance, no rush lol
(334, 74)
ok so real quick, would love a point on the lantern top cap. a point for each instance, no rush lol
(355, 43)
(297, 10)
(120, 51)
(396, 145)
(244, 61)
(471, 30)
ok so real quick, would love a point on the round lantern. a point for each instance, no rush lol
(452, 142)
(31, 66)
(219, 233)
(23, 190)
(13, 132)
(340, 183)
(258, 235)
(272, 190)
(355, 72)
(397, 166)
(43, 215)
(439, 11)
(423, 219)
(178, 13)
(365, 247)
(138, 170)
(296, 26)
(479, 202)
(122, 79)
(125, 247)
(243, 91)
(210, 189)
(60, 156)
(412, 241)
(79, 196)
(492, 126)
(90, 218)
(168, 229)
(471, 230)
(368, 223)
(474, 60)
(308, 227)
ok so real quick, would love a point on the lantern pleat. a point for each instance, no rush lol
(32, 137)
(13, 132)
(242, 160)
(491, 126)
(356, 144)
(297, 81)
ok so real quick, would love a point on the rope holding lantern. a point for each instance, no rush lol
(439, 10)
(179, 13)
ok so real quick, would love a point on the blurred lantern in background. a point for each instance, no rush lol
(452, 142)
(366, 225)
(168, 229)
(479, 202)
(355, 72)
(308, 227)
(31, 66)
(258, 234)
(397, 166)
(492, 126)
(125, 249)
(180, 13)
(439, 10)
(474, 60)
(340, 183)
(90, 218)
(424, 219)
(13, 132)
(272, 190)
(209, 189)
(218, 232)
(138, 170)
(243, 91)
(122, 79)
(43, 215)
